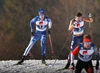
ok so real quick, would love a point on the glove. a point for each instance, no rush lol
(49, 31)
(97, 66)
(73, 24)
(31, 33)
(72, 66)
(89, 15)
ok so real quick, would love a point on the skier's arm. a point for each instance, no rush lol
(49, 25)
(31, 25)
(71, 25)
(73, 53)
(87, 19)
(97, 57)
(96, 53)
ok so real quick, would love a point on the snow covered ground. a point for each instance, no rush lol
(34, 66)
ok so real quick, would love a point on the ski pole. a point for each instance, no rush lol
(90, 28)
(51, 44)
(89, 15)
(63, 47)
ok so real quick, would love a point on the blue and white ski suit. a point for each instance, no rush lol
(40, 33)
(77, 29)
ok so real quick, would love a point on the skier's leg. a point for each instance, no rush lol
(32, 41)
(43, 40)
(73, 45)
(79, 66)
(81, 38)
(89, 67)
(68, 63)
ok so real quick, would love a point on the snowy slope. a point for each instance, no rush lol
(34, 66)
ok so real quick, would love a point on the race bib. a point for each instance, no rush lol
(86, 52)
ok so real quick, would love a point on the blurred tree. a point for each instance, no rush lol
(15, 16)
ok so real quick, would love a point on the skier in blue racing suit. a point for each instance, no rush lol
(40, 33)
(77, 26)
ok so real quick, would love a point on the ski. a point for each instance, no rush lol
(62, 69)
(44, 64)
(19, 64)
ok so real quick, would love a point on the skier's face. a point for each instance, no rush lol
(41, 17)
(87, 45)
(78, 19)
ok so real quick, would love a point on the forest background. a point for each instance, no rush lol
(15, 16)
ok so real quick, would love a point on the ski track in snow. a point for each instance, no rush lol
(35, 66)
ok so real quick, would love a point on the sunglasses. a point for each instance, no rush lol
(79, 19)
(41, 15)
(88, 42)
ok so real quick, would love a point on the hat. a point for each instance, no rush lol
(86, 39)
(41, 12)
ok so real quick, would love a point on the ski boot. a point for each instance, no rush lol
(43, 60)
(21, 60)
(67, 65)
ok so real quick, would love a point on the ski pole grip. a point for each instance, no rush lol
(89, 15)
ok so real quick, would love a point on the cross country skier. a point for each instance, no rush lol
(41, 22)
(85, 49)
(77, 26)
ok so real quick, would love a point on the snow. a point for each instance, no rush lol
(35, 66)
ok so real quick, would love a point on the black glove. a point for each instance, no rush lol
(72, 66)
(49, 31)
(73, 24)
(31, 33)
(97, 66)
